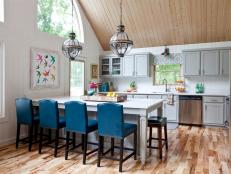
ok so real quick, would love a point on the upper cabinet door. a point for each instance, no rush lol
(105, 66)
(142, 65)
(224, 62)
(210, 62)
(192, 63)
(128, 66)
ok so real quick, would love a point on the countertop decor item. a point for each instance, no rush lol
(105, 98)
(44, 68)
(120, 43)
(166, 52)
(199, 88)
(71, 48)
(132, 87)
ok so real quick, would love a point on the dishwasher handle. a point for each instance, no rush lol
(190, 97)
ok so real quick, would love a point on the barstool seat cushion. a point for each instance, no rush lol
(157, 120)
(129, 128)
(92, 125)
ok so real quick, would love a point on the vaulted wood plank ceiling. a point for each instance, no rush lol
(152, 23)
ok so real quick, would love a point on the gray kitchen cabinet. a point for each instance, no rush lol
(171, 111)
(142, 65)
(210, 62)
(224, 62)
(128, 66)
(213, 110)
(111, 66)
(105, 66)
(213, 113)
(137, 65)
(192, 63)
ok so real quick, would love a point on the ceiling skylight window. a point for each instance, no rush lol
(55, 17)
(1, 11)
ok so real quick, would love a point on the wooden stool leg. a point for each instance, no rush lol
(17, 135)
(99, 151)
(40, 140)
(166, 136)
(36, 132)
(150, 137)
(112, 146)
(31, 127)
(67, 145)
(160, 141)
(121, 154)
(135, 144)
(85, 149)
(56, 141)
(49, 135)
(82, 139)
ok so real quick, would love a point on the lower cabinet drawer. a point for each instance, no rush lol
(213, 99)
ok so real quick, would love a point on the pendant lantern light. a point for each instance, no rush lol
(120, 43)
(71, 48)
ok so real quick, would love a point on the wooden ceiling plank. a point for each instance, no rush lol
(161, 22)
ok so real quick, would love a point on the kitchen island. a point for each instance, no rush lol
(137, 107)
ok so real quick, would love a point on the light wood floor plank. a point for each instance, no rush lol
(191, 150)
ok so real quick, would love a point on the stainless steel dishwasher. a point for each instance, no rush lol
(190, 110)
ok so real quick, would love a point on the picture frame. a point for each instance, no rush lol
(44, 68)
(94, 71)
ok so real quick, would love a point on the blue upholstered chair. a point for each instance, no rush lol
(50, 119)
(77, 122)
(26, 116)
(111, 124)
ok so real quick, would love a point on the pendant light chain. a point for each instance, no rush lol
(121, 12)
(72, 14)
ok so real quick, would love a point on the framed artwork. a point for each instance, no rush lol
(94, 71)
(44, 68)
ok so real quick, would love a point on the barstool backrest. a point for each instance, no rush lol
(49, 114)
(24, 111)
(76, 116)
(110, 119)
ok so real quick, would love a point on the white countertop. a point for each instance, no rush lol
(130, 103)
(174, 93)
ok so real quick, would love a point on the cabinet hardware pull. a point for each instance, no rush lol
(222, 71)
(205, 107)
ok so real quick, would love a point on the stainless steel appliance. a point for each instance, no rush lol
(190, 110)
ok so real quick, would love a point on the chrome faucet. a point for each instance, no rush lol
(166, 84)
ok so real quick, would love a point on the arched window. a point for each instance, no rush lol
(1, 11)
(55, 17)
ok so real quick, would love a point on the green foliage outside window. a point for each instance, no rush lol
(170, 72)
(55, 17)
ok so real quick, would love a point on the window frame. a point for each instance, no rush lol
(154, 74)
(2, 14)
(78, 18)
(2, 82)
(84, 76)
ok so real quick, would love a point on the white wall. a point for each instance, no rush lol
(212, 84)
(19, 33)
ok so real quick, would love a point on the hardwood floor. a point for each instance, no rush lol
(191, 150)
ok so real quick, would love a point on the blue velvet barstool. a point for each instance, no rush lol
(111, 124)
(50, 119)
(26, 116)
(77, 122)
